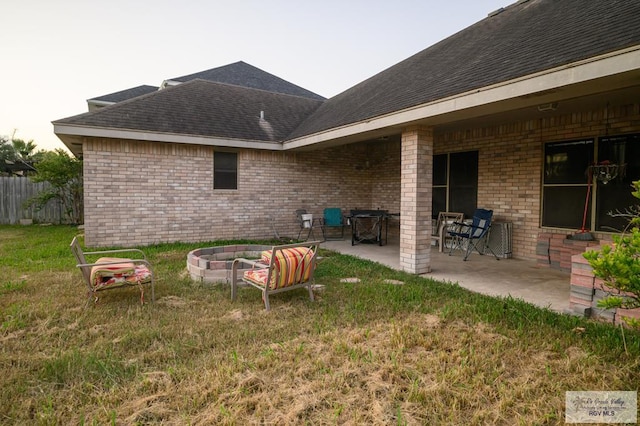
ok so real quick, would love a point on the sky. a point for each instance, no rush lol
(56, 54)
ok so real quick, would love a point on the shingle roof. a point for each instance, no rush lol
(123, 95)
(242, 74)
(524, 38)
(205, 108)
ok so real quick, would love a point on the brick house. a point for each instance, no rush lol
(507, 114)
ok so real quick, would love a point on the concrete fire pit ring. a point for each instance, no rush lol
(212, 265)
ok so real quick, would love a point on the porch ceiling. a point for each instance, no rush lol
(587, 96)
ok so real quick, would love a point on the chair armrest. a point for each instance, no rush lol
(234, 272)
(253, 263)
(237, 262)
(123, 260)
(132, 250)
(459, 226)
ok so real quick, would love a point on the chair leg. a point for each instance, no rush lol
(470, 247)
(487, 246)
(309, 287)
(456, 243)
(234, 280)
(265, 299)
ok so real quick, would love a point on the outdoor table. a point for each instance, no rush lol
(369, 226)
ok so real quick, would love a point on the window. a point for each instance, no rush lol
(568, 197)
(616, 194)
(565, 182)
(455, 183)
(225, 170)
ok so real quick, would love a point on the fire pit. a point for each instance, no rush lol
(213, 264)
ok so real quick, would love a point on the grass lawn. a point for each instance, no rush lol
(364, 353)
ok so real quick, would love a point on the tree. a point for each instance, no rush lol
(619, 265)
(18, 157)
(64, 173)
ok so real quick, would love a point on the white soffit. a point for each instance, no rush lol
(578, 72)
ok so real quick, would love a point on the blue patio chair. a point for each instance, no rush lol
(332, 218)
(473, 234)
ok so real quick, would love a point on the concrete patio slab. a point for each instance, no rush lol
(520, 279)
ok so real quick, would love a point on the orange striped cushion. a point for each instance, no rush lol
(291, 266)
(257, 276)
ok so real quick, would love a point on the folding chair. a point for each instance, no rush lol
(473, 234)
(332, 218)
(306, 223)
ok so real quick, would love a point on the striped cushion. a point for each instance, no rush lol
(121, 273)
(291, 266)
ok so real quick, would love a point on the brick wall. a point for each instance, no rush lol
(510, 162)
(144, 192)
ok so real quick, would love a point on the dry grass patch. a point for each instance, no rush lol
(363, 353)
(416, 370)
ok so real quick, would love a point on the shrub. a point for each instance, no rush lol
(619, 265)
(64, 173)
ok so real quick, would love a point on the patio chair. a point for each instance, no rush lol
(282, 268)
(445, 223)
(468, 236)
(108, 273)
(306, 222)
(332, 218)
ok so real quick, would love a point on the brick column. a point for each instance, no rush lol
(415, 200)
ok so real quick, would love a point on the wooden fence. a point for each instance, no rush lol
(14, 191)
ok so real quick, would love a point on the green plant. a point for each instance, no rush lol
(64, 173)
(18, 157)
(619, 265)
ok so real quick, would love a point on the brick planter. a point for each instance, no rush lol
(587, 290)
(557, 250)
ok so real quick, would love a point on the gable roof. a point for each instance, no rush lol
(200, 108)
(242, 74)
(527, 37)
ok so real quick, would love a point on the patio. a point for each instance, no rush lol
(521, 279)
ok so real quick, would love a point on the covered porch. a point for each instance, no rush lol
(518, 278)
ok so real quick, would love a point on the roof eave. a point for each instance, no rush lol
(72, 135)
(525, 89)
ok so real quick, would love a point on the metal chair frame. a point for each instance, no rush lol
(305, 224)
(473, 234)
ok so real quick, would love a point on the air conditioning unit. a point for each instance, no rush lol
(500, 237)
